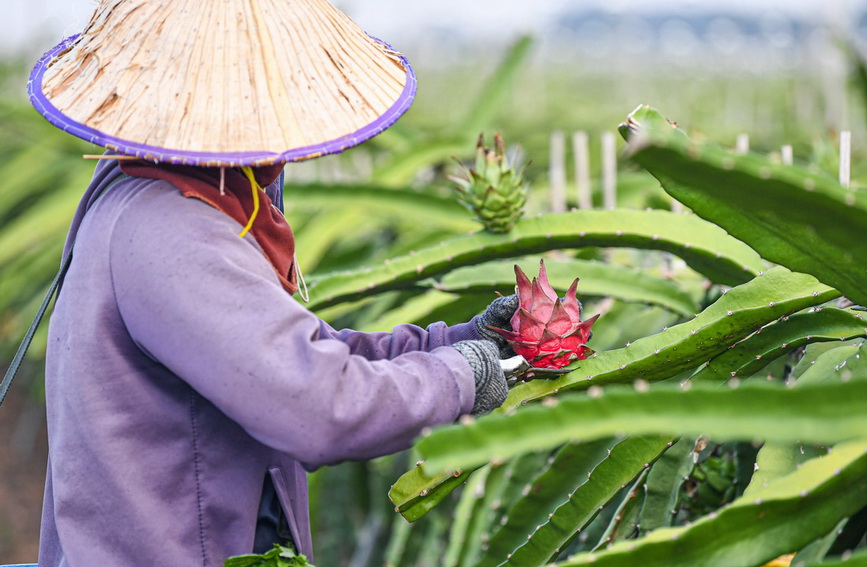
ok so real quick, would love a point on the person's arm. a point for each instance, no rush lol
(402, 339)
(207, 305)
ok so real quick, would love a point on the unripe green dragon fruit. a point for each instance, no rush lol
(493, 189)
(546, 330)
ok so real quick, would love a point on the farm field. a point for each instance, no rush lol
(719, 421)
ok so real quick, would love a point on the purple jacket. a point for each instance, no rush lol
(180, 373)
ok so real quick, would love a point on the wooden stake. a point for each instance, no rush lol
(787, 155)
(557, 172)
(581, 147)
(742, 146)
(845, 158)
(609, 170)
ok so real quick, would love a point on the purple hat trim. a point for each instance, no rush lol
(232, 159)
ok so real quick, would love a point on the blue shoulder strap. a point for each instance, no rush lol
(28, 338)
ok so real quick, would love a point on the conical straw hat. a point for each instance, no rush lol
(222, 82)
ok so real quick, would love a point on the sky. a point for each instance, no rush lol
(35, 25)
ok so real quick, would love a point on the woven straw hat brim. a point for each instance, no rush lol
(303, 107)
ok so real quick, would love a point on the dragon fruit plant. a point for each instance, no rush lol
(492, 188)
(547, 330)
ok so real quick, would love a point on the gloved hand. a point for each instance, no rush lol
(498, 314)
(491, 387)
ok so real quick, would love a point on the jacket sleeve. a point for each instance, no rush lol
(403, 339)
(207, 305)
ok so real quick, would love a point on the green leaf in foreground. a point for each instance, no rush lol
(664, 486)
(754, 530)
(579, 506)
(824, 413)
(416, 493)
(790, 215)
(751, 355)
(739, 313)
(573, 463)
(704, 247)
(278, 556)
(736, 315)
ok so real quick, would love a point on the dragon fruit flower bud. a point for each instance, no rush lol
(493, 188)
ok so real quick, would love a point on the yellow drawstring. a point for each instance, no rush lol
(248, 171)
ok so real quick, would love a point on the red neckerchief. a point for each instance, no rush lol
(270, 228)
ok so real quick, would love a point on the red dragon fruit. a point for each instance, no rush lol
(546, 330)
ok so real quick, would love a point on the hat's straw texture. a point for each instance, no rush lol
(224, 77)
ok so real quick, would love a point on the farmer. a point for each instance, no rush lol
(188, 392)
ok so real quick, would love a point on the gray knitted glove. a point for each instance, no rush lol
(498, 314)
(491, 387)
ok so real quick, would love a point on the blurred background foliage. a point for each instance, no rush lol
(364, 207)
